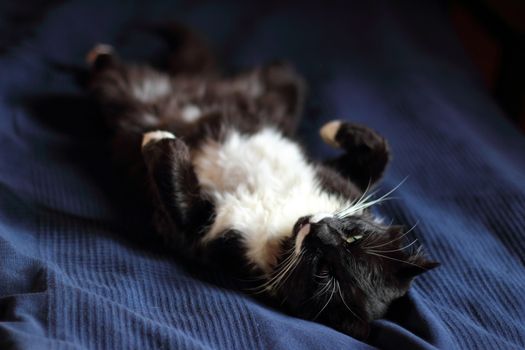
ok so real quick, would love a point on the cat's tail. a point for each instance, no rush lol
(188, 52)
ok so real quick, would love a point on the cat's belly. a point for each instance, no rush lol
(261, 184)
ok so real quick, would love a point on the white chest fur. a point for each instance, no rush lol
(261, 185)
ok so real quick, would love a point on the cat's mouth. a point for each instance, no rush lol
(304, 230)
(300, 230)
(299, 224)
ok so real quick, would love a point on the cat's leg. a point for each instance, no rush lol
(129, 99)
(366, 153)
(129, 96)
(181, 210)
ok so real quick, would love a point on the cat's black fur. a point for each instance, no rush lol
(342, 283)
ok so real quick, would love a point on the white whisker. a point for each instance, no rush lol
(285, 271)
(366, 202)
(390, 258)
(393, 250)
(344, 302)
(279, 270)
(395, 239)
(323, 289)
(355, 202)
(325, 305)
(289, 272)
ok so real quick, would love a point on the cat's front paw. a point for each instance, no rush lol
(350, 136)
(329, 131)
(155, 136)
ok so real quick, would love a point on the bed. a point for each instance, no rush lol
(75, 274)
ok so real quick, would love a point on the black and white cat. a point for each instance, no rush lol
(228, 180)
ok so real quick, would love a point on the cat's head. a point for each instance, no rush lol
(345, 271)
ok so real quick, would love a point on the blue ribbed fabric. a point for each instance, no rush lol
(73, 275)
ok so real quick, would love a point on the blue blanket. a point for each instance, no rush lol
(74, 274)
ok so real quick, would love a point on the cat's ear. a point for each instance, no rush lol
(413, 264)
(416, 265)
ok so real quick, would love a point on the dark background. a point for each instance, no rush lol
(493, 34)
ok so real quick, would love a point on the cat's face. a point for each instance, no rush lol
(345, 272)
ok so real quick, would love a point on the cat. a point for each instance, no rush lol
(230, 185)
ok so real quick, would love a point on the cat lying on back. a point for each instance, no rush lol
(228, 181)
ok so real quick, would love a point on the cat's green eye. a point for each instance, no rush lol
(352, 239)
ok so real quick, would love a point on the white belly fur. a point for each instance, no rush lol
(260, 184)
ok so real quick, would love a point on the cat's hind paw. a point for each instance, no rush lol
(155, 136)
(97, 52)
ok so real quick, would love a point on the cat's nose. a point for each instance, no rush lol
(324, 236)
